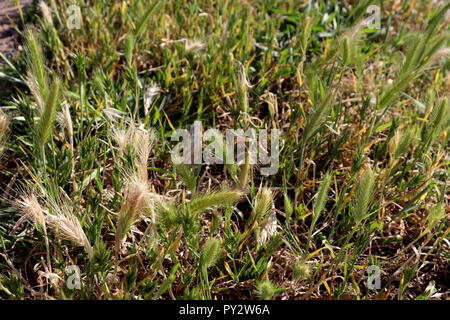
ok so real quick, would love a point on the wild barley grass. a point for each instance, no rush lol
(30, 207)
(67, 227)
(4, 129)
(262, 206)
(363, 196)
(265, 290)
(210, 253)
(134, 202)
(213, 199)
(319, 203)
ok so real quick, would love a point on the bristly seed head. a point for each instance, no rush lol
(29, 206)
(46, 12)
(66, 225)
(149, 95)
(133, 203)
(65, 121)
(4, 124)
(193, 45)
(4, 127)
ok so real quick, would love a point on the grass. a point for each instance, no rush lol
(87, 180)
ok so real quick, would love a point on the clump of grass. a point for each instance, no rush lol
(318, 116)
(66, 123)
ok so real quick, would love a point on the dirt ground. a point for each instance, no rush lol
(9, 14)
